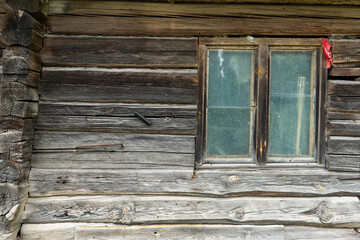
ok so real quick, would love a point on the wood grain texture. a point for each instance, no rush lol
(344, 145)
(343, 162)
(344, 128)
(154, 26)
(335, 212)
(126, 93)
(244, 182)
(116, 8)
(346, 52)
(66, 231)
(20, 28)
(177, 78)
(127, 85)
(340, 103)
(343, 116)
(344, 88)
(20, 60)
(119, 51)
(204, 19)
(181, 232)
(165, 125)
(110, 160)
(38, 8)
(311, 233)
(115, 109)
(344, 72)
(44, 140)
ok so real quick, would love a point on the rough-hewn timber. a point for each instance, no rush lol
(335, 211)
(247, 182)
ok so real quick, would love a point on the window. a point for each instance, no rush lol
(260, 101)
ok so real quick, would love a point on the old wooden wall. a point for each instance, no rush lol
(22, 29)
(96, 167)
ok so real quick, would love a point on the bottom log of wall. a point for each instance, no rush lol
(81, 231)
(322, 211)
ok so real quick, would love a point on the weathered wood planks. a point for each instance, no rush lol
(116, 8)
(131, 142)
(163, 125)
(220, 232)
(345, 72)
(67, 231)
(343, 162)
(205, 19)
(119, 51)
(344, 88)
(334, 211)
(129, 93)
(346, 52)
(245, 182)
(119, 85)
(102, 159)
(176, 78)
(340, 103)
(269, 26)
(344, 128)
(311, 233)
(344, 145)
(116, 109)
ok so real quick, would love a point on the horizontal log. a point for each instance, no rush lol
(66, 231)
(116, 109)
(343, 145)
(203, 10)
(311, 233)
(343, 163)
(346, 51)
(340, 103)
(344, 72)
(126, 93)
(245, 182)
(176, 78)
(344, 128)
(343, 116)
(344, 88)
(110, 160)
(335, 211)
(220, 232)
(163, 125)
(310, 2)
(119, 51)
(194, 26)
(131, 142)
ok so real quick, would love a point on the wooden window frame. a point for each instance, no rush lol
(261, 76)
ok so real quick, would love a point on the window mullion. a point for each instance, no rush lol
(262, 104)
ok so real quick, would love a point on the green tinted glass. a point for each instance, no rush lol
(291, 103)
(228, 103)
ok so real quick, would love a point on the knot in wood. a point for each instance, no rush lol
(239, 213)
(324, 213)
(233, 178)
(127, 208)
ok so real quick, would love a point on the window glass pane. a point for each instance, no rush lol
(291, 104)
(229, 100)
